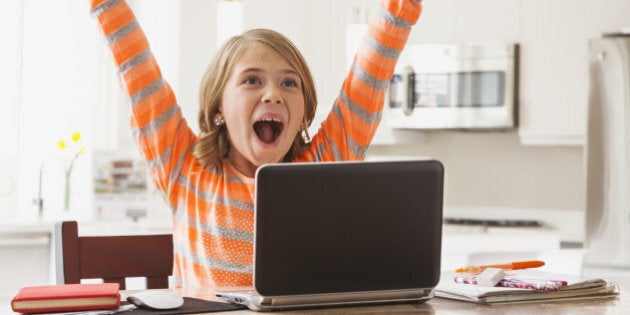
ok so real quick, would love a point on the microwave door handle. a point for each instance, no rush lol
(410, 86)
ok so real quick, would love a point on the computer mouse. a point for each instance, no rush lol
(156, 300)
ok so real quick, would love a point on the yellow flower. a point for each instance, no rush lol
(76, 136)
(72, 144)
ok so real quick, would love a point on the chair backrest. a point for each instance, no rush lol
(112, 258)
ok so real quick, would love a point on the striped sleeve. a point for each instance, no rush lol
(356, 113)
(159, 129)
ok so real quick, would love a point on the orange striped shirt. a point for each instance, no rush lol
(213, 210)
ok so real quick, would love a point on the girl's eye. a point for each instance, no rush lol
(290, 83)
(252, 80)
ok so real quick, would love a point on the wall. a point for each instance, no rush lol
(494, 170)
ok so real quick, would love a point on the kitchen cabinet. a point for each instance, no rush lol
(26, 257)
(554, 70)
(554, 76)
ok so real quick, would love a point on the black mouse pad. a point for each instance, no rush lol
(191, 306)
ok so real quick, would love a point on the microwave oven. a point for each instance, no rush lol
(454, 86)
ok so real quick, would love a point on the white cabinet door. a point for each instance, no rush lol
(25, 261)
(554, 69)
(487, 20)
(554, 65)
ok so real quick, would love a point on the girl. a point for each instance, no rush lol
(257, 101)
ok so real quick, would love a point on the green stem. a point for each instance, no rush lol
(66, 195)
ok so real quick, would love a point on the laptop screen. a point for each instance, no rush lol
(348, 227)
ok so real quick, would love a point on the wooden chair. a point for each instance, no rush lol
(112, 258)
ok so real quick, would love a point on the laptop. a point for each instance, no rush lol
(344, 233)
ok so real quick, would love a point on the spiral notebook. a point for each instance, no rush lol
(526, 286)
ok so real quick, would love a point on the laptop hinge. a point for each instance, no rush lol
(350, 297)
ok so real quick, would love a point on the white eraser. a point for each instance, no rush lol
(490, 277)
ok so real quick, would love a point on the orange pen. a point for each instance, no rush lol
(508, 266)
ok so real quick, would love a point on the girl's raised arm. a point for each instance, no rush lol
(357, 111)
(157, 123)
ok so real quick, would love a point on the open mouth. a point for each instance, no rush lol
(268, 129)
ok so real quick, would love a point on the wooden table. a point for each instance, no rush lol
(619, 305)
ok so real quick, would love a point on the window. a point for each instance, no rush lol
(49, 60)
(58, 77)
(10, 31)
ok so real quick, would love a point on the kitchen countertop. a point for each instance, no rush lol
(26, 227)
(126, 227)
(568, 224)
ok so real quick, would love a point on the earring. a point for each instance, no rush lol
(305, 136)
(218, 120)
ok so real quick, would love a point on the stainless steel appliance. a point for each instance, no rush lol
(463, 86)
(607, 153)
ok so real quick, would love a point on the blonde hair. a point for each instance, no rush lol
(213, 144)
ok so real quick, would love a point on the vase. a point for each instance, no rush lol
(66, 191)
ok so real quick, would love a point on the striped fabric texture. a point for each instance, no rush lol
(213, 211)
